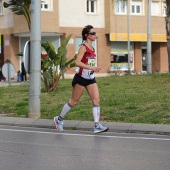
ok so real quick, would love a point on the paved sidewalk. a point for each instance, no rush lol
(87, 125)
(13, 83)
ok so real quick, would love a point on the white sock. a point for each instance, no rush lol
(96, 113)
(65, 109)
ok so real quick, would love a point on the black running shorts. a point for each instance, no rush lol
(81, 81)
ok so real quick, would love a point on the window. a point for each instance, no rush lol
(1, 7)
(91, 6)
(121, 7)
(119, 56)
(158, 8)
(137, 6)
(164, 8)
(46, 5)
(155, 8)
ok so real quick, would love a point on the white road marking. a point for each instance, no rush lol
(85, 135)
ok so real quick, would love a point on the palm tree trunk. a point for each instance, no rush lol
(168, 39)
(168, 48)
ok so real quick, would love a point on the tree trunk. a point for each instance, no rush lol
(168, 48)
(168, 40)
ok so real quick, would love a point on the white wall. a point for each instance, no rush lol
(72, 13)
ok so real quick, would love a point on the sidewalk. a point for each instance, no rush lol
(13, 83)
(87, 125)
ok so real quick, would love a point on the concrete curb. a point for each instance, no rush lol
(13, 83)
(88, 125)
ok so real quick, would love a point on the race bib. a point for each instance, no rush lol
(92, 62)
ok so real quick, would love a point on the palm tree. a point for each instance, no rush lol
(54, 60)
(168, 30)
(20, 7)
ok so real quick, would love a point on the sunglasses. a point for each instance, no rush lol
(92, 33)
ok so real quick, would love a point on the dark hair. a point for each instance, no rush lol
(85, 31)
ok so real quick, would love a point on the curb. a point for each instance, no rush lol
(162, 129)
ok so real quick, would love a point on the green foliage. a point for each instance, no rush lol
(20, 7)
(19, 54)
(55, 64)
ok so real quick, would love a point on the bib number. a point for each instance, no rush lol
(92, 62)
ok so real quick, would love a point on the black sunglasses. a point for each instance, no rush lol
(92, 33)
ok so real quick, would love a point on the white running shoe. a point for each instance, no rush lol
(58, 124)
(99, 128)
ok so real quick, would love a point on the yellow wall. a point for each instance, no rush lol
(137, 37)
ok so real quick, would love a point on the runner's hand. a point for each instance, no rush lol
(96, 69)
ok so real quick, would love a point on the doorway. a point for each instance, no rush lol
(144, 56)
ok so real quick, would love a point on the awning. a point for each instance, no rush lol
(137, 37)
(43, 34)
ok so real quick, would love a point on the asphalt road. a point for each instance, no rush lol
(46, 149)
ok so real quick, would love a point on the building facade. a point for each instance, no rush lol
(60, 18)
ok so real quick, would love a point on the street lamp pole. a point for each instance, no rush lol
(35, 60)
(149, 57)
(128, 26)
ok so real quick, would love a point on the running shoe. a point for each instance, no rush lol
(100, 128)
(58, 124)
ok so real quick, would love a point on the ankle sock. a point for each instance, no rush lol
(96, 124)
(60, 118)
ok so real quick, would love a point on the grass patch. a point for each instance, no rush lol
(137, 99)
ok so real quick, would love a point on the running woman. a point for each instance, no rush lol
(84, 79)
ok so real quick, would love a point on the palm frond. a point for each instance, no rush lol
(20, 7)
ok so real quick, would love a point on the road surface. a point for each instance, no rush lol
(45, 149)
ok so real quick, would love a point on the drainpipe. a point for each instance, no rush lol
(149, 56)
(128, 25)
